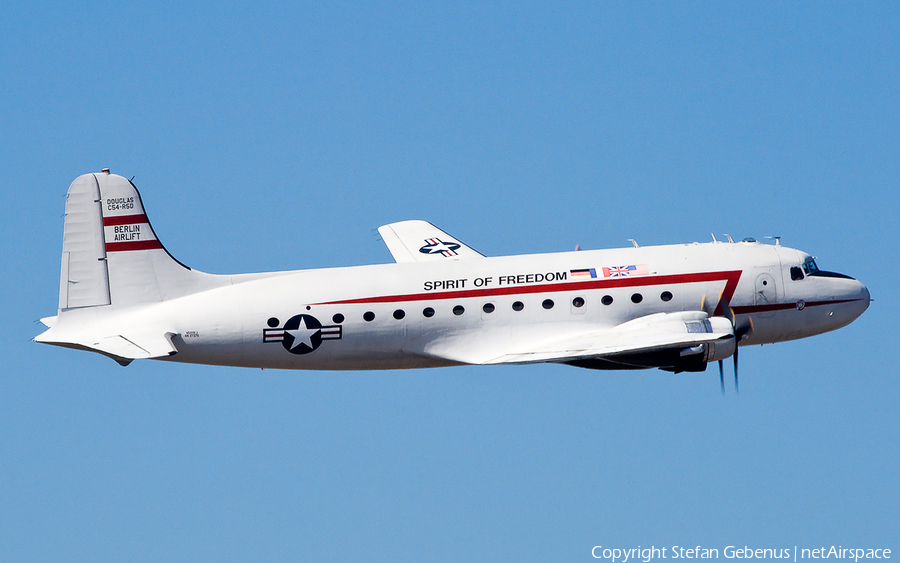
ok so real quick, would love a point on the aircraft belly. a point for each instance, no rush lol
(303, 344)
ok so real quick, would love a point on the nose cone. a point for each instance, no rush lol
(851, 300)
(863, 298)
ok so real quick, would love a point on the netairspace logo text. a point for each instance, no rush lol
(648, 554)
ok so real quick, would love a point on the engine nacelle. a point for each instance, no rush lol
(723, 347)
(676, 359)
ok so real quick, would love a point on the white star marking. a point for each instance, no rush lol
(442, 246)
(303, 335)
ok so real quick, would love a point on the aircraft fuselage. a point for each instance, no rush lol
(387, 316)
(676, 307)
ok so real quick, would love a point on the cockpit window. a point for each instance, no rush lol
(796, 273)
(812, 270)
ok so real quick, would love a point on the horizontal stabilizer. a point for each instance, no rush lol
(134, 347)
(122, 348)
(420, 241)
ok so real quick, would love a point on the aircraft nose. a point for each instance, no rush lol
(857, 298)
(864, 297)
(848, 296)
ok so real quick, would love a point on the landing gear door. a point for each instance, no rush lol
(766, 294)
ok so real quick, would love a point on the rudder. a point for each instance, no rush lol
(84, 278)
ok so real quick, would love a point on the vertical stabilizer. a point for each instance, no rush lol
(111, 261)
(111, 255)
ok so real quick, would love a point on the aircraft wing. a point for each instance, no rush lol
(676, 334)
(420, 241)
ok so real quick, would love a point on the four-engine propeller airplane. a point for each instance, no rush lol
(674, 307)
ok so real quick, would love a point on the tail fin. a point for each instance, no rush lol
(112, 259)
(111, 256)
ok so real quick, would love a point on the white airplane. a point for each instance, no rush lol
(675, 307)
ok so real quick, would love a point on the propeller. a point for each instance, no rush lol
(722, 371)
(739, 333)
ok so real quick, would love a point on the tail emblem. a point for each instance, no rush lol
(128, 232)
(437, 246)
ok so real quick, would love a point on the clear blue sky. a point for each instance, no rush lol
(269, 136)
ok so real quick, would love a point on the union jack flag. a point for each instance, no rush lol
(622, 271)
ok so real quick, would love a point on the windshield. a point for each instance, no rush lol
(810, 267)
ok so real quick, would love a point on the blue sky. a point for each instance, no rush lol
(269, 136)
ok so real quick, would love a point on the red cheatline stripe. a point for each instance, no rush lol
(124, 220)
(133, 245)
(749, 309)
(729, 277)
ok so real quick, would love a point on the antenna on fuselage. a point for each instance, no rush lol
(777, 240)
(714, 237)
(729, 238)
(634, 242)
